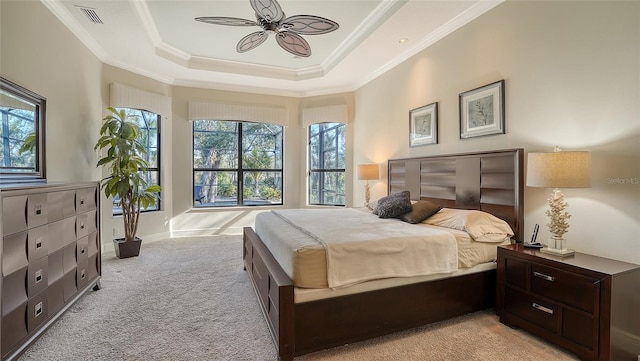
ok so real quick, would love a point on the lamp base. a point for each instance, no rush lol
(558, 252)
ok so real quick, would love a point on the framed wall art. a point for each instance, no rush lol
(423, 125)
(482, 111)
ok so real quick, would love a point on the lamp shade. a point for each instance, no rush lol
(368, 172)
(559, 170)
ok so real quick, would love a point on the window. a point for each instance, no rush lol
(149, 124)
(236, 163)
(22, 124)
(326, 164)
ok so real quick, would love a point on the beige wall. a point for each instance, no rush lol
(41, 54)
(572, 73)
(152, 225)
(194, 221)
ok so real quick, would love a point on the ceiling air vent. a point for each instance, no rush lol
(90, 14)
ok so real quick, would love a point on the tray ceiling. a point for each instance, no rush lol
(160, 39)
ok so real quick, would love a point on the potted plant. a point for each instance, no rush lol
(125, 182)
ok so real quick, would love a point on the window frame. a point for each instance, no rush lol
(39, 171)
(331, 126)
(240, 172)
(116, 211)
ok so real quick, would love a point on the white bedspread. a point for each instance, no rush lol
(362, 247)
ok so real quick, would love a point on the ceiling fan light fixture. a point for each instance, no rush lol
(271, 19)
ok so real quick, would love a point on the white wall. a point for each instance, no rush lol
(572, 73)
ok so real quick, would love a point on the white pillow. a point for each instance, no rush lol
(481, 226)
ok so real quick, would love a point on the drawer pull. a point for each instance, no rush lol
(38, 276)
(542, 308)
(544, 276)
(38, 309)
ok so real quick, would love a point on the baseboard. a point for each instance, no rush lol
(108, 249)
(230, 231)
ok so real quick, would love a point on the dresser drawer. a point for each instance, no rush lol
(37, 276)
(86, 199)
(61, 205)
(38, 243)
(14, 215)
(569, 288)
(14, 253)
(14, 327)
(37, 213)
(82, 274)
(14, 291)
(37, 311)
(82, 249)
(533, 309)
(81, 225)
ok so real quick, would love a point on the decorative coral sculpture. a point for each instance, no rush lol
(558, 217)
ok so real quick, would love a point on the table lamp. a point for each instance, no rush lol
(368, 172)
(557, 170)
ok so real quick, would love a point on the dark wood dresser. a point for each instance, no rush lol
(50, 255)
(586, 304)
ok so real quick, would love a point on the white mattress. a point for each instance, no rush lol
(302, 295)
(304, 259)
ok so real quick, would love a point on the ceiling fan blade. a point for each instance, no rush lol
(269, 10)
(222, 20)
(293, 43)
(251, 41)
(309, 24)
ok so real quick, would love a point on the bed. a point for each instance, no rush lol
(303, 320)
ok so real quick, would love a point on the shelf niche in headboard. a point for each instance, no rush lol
(488, 181)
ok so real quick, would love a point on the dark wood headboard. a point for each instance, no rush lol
(491, 181)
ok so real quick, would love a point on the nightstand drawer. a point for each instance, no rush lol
(531, 308)
(516, 272)
(569, 288)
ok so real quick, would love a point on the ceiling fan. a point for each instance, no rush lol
(271, 18)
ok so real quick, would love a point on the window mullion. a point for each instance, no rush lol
(240, 183)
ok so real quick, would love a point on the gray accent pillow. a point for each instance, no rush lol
(394, 205)
(420, 211)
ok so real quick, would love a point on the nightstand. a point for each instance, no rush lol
(586, 304)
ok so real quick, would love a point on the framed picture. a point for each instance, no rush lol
(423, 125)
(482, 111)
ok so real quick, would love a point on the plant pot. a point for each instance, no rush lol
(126, 249)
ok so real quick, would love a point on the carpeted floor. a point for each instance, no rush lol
(190, 299)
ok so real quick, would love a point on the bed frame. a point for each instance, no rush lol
(489, 181)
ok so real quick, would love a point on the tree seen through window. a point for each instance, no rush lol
(236, 163)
